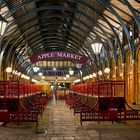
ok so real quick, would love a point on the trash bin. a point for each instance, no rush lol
(112, 114)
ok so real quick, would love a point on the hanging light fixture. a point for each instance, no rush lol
(90, 76)
(97, 46)
(71, 72)
(36, 69)
(8, 69)
(100, 73)
(94, 74)
(107, 70)
(67, 75)
(40, 73)
(43, 77)
(65, 78)
(78, 65)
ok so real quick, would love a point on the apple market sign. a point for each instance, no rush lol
(59, 55)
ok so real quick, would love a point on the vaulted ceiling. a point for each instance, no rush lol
(37, 26)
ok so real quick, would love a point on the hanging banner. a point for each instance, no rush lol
(59, 55)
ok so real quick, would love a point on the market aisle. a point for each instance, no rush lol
(59, 123)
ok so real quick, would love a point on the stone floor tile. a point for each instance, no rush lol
(69, 138)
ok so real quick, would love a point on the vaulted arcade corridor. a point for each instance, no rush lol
(69, 69)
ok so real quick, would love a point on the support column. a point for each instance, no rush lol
(123, 71)
(133, 82)
(115, 72)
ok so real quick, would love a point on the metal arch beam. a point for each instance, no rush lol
(15, 42)
(11, 47)
(73, 47)
(88, 49)
(72, 31)
(73, 35)
(89, 56)
(52, 15)
(80, 13)
(110, 26)
(87, 26)
(14, 53)
(84, 32)
(9, 54)
(90, 53)
(29, 1)
(34, 44)
(68, 9)
(10, 37)
(106, 20)
(18, 6)
(40, 39)
(132, 46)
(20, 42)
(51, 43)
(126, 2)
(23, 3)
(67, 29)
(72, 10)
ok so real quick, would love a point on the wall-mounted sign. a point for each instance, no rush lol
(59, 55)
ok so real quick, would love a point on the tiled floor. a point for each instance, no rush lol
(59, 123)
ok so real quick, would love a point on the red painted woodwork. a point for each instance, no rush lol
(101, 101)
(23, 102)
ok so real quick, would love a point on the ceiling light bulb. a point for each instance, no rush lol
(106, 70)
(43, 77)
(100, 72)
(94, 74)
(8, 69)
(36, 69)
(71, 72)
(40, 73)
(67, 76)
